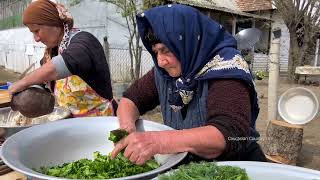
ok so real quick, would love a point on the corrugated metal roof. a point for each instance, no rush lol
(214, 5)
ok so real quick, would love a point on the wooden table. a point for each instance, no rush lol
(13, 175)
(4, 98)
(7, 173)
(308, 71)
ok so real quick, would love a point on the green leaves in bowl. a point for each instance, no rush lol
(205, 171)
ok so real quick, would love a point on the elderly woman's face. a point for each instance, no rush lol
(48, 35)
(167, 60)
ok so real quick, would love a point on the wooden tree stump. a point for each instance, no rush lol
(283, 142)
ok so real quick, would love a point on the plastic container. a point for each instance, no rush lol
(5, 86)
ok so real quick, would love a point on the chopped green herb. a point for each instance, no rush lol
(116, 135)
(102, 166)
(205, 171)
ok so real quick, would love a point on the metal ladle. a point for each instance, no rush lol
(247, 38)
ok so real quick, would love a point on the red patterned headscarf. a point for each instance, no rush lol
(46, 12)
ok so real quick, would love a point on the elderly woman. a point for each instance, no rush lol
(74, 59)
(204, 88)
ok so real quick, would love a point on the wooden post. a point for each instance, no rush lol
(317, 53)
(273, 79)
(283, 142)
(234, 26)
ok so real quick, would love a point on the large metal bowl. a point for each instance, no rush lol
(57, 114)
(55, 143)
(298, 105)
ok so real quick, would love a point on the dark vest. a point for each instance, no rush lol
(197, 109)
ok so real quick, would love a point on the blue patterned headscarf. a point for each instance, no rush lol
(203, 47)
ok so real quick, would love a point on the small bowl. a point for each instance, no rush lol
(298, 105)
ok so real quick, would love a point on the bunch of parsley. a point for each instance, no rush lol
(205, 171)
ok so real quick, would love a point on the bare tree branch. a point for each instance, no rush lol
(129, 10)
(302, 19)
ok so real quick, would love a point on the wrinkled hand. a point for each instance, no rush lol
(17, 87)
(129, 127)
(139, 146)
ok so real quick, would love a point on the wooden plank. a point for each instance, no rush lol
(14, 175)
(5, 98)
(308, 70)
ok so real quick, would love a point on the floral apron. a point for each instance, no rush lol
(76, 95)
(72, 92)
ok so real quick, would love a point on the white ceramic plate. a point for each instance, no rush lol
(298, 105)
(57, 142)
(272, 171)
(268, 171)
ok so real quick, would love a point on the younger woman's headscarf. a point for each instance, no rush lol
(203, 47)
(46, 12)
